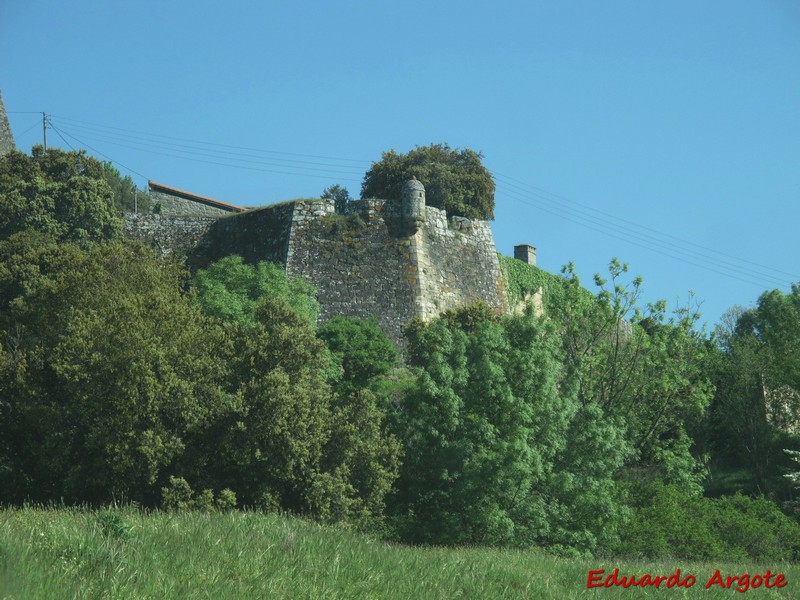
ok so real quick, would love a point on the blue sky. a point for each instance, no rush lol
(663, 133)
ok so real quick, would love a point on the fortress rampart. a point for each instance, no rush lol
(391, 260)
(369, 262)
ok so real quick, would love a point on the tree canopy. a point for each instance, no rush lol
(339, 195)
(455, 180)
(498, 448)
(110, 368)
(362, 349)
(64, 194)
(231, 290)
(756, 408)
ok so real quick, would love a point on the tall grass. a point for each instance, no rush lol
(69, 553)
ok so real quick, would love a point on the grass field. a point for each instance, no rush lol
(64, 554)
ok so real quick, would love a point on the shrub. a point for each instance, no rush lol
(178, 496)
(670, 523)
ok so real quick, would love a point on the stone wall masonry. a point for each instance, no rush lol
(358, 268)
(255, 235)
(362, 268)
(368, 209)
(457, 263)
(175, 205)
(361, 264)
(168, 234)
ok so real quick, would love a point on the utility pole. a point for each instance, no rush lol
(44, 129)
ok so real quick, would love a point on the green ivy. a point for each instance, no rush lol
(521, 279)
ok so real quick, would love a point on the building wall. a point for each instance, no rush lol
(174, 205)
(358, 268)
(457, 263)
(168, 234)
(259, 234)
(361, 264)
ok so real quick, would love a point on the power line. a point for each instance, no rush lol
(36, 124)
(187, 154)
(105, 136)
(631, 235)
(562, 199)
(361, 161)
(581, 214)
(684, 259)
(106, 156)
(58, 133)
(233, 166)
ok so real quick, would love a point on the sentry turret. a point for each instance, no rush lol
(412, 205)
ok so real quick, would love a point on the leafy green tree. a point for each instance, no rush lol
(115, 385)
(455, 180)
(486, 434)
(111, 367)
(649, 368)
(231, 290)
(756, 409)
(742, 435)
(127, 196)
(64, 194)
(274, 432)
(339, 195)
(775, 323)
(361, 348)
(361, 459)
(670, 523)
(285, 441)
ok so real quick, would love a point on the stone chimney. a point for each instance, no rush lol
(525, 253)
(6, 139)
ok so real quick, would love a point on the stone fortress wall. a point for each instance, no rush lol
(380, 260)
(168, 234)
(170, 201)
(391, 260)
(178, 221)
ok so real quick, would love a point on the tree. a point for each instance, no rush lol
(231, 290)
(498, 449)
(339, 195)
(757, 405)
(776, 325)
(64, 194)
(361, 348)
(284, 440)
(645, 366)
(127, 196)
(114, 385)
(110, 368)
(455, 180)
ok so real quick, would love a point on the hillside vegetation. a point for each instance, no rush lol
(599, 427)
(124, 554)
